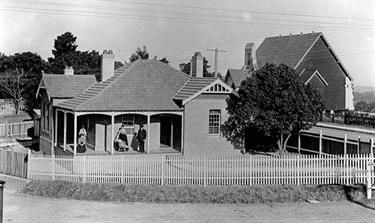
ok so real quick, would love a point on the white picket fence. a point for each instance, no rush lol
(16, 129)
(185, 170)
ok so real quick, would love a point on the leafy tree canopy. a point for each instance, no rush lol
(64, 44)
(143, 54)
(274, 101)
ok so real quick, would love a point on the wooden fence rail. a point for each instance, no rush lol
(13, 163)
(17, 129)
(185, 170)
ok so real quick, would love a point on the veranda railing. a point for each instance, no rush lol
(185, 170)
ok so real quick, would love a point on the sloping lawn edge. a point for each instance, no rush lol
(191, 194)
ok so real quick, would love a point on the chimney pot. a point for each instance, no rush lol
(107, 65)
(68, 70)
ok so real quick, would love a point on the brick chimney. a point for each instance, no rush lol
(196, 69)
(250, 57)
(107, 65)
(68, 70)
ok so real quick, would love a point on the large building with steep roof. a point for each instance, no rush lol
(313, 59)
(181, 113)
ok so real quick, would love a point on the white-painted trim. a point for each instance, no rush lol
(75, 135)
(320, 77)
(204, 90)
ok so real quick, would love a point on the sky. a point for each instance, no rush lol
(175, 29)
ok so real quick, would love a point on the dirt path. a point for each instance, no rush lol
(24, 208)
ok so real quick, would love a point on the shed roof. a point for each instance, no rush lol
(144, 85)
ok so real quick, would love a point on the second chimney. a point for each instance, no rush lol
(68, 71)
(107, 65)
(196, 69)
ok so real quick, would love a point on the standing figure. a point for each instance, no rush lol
(141, 138)
(81, 148)
(134, 143)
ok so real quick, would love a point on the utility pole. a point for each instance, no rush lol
(216, 57)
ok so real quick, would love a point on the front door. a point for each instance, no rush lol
(165, 130)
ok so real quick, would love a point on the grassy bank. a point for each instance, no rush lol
(191, 194)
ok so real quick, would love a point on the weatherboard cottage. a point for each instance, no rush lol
(181, 113)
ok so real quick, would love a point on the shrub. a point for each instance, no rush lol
(190, 194)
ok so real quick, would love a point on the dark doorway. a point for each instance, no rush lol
(177, 132)
(165, 129)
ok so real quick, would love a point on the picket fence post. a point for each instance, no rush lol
(204, 170)
(162, 170)
(298, 170)
(29, 159)
(53, 166)
(84, 169)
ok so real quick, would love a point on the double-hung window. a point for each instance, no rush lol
(128, 122)
(214, 122)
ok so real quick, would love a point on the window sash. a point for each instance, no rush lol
(214, 122)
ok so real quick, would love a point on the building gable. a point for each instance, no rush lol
(197, 86)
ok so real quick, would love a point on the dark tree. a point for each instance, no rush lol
(164, 60)
(64, 44)
(275, 102)
(12, 84)
(118, 64)
(31, 66)
(139, 54)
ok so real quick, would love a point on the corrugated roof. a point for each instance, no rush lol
(285, 49)
(66, 86)
(237, 75)
(144, 85)
(193, 86)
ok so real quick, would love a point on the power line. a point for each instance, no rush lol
(179, 19)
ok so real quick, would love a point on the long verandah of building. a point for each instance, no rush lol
(164, 131)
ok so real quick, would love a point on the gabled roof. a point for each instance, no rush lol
(198, 85)
(285, 49)
(144, 85)
(237, 76)
(65, 86)
(291, 50)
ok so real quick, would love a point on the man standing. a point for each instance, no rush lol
(141, 138)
